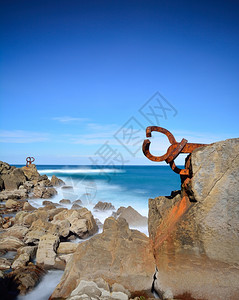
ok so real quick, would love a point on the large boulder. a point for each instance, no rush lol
(119, 255)
(196, 238)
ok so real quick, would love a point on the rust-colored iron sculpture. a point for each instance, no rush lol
(29, 160)
(173, 151)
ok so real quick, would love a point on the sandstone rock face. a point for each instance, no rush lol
(132, 217)
(10, 243)
(16, 231)
(119, 255)
(46, 252)
(40, 228)
(196, 243)
(31, 172)
(13, 179)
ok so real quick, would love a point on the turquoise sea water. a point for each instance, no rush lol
(129, 185)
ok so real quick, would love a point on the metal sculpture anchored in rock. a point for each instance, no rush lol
(29, 160)
(173, 151)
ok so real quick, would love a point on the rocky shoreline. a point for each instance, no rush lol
(191, 252)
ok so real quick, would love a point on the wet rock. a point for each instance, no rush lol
(66, 248)
(67, 187)
(27, 218)
(14, 194)
(61, 261)
(56, 181)
(13, 179)
(47, 202)
(4, 264)
(196, 242)
(22, 280)
(82, 223)
(104, 206)
(46, 252)
(10, 243)
(31, 172)
(120, 255)
(2, 187)
(28, 207)
(11, 204)
(79, 202)
(65, 201)
(132, 217)
(16, 231)
(43, 192)
(40, 228)
(76, 206)
(25, 254)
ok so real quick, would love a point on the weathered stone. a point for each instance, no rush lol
(46, 252)
(196, 243)
(2, 187)
(43, 192)
(132, 217)
(14, 194)
(16, 231)
(40, 228)
(56, 181)
(61, 260)
(119, 255)
(28, 207)
(82, 222)
(104, 206)
(27, 218)
(4, 264)
(90, 290)
(31, 172)
(11, 203)
(76, 206)
(13, 179)
(24, 255)
(65, 201)
(79, 202)
(23, 279)
(10, 243)
(66, 248)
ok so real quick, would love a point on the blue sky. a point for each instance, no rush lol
(74, 75)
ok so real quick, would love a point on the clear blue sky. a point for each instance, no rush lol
(74, 72)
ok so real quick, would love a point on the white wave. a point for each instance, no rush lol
(80, 171)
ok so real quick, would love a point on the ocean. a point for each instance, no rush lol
(127, 186)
